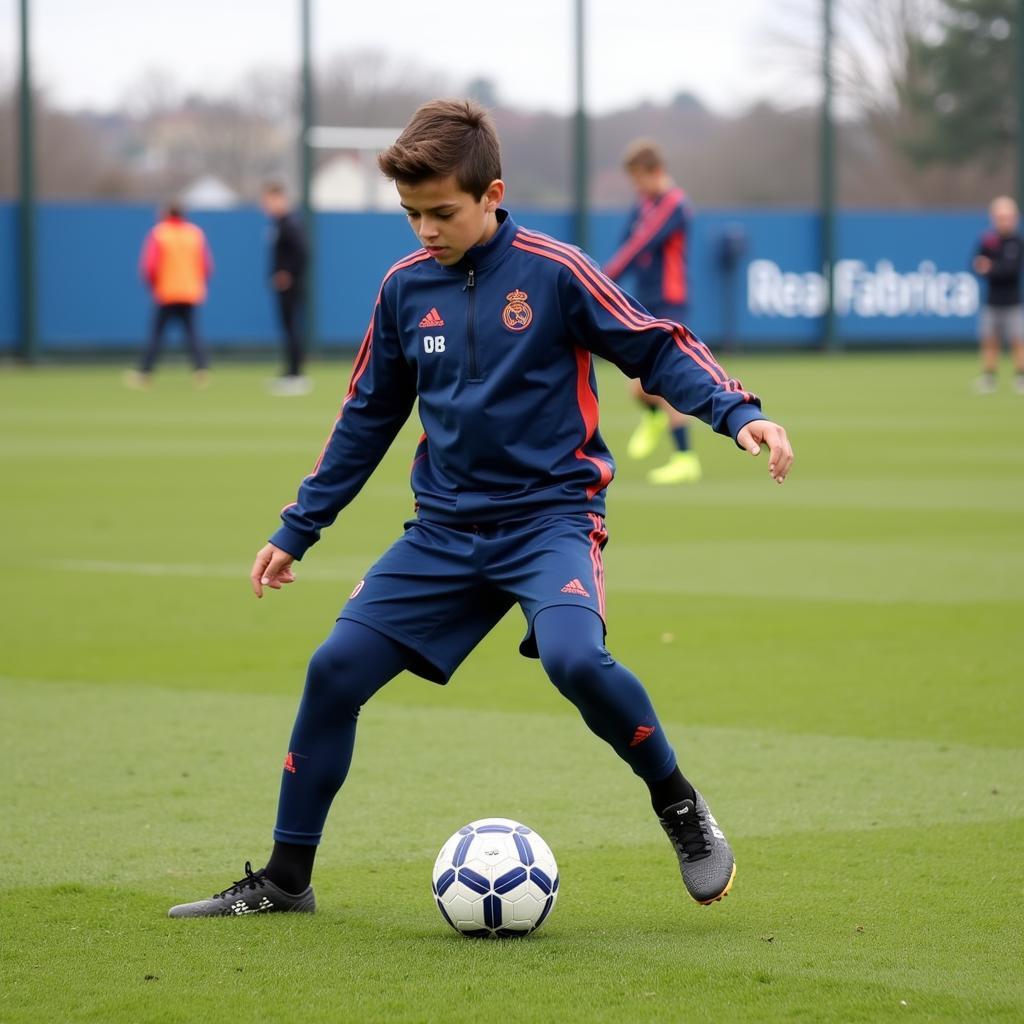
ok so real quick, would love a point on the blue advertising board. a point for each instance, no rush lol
(9, 281)
(901, 277)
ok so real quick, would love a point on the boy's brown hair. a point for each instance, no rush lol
(643, 155)
(446, 137)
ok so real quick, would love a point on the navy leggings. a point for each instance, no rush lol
(163, 315)
(355, 661)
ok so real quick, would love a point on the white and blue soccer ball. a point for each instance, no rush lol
(495, 878)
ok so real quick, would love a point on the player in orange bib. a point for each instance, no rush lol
(176, 264)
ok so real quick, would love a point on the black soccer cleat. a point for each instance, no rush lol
(705, 857)
(254, 894)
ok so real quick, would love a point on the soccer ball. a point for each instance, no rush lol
(495, 878)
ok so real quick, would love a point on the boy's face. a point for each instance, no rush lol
(648, 183)
(275, 204)
(448, 221)
(1004, 216)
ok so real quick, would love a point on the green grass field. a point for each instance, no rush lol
(839, 662)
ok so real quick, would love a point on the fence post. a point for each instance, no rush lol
(829, 338)
(580, 154)
(306, 172)
(29, 329)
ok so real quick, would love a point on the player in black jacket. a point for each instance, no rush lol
(288, 260)
(999, 260)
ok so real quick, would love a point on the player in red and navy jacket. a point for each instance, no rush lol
(654, 244)
(493, 329)
(653, 257)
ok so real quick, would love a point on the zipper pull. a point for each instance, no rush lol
(470, 279)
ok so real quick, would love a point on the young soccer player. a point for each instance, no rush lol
(177, 265)
(493, 328)
(654, 254)
(1000, 259)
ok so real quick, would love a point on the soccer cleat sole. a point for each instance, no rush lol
(246, 913)
(725, 892)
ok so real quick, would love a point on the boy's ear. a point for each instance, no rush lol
(494, 194)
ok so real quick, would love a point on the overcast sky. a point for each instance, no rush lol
(90, 52)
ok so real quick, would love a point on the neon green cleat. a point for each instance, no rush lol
(682, 468)
(648, 433)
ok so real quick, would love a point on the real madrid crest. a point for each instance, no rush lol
(517, 315)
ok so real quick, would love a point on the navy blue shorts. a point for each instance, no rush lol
(439, 590)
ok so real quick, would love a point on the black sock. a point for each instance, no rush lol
(670, 790)
(682, 438)
(291, 866)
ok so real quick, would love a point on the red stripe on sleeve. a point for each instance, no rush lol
(587, 401)
(673, 276)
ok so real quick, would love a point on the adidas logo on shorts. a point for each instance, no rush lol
(574, 586)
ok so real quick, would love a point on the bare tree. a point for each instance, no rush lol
(162, 139)
(879, 83)
(372, 89)
(241, 137)
(70, 161)
(8, 154)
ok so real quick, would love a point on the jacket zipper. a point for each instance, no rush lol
(470, 288)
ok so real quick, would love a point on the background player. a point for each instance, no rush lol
(999, 260)
(176, 264)
(492, 328)
(654, 254)
(288, 259)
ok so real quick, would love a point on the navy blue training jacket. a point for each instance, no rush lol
(654, 250)
(499, 350)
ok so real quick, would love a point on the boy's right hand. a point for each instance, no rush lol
(272, 568)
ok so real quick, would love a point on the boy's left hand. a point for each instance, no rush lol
(759, 432)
